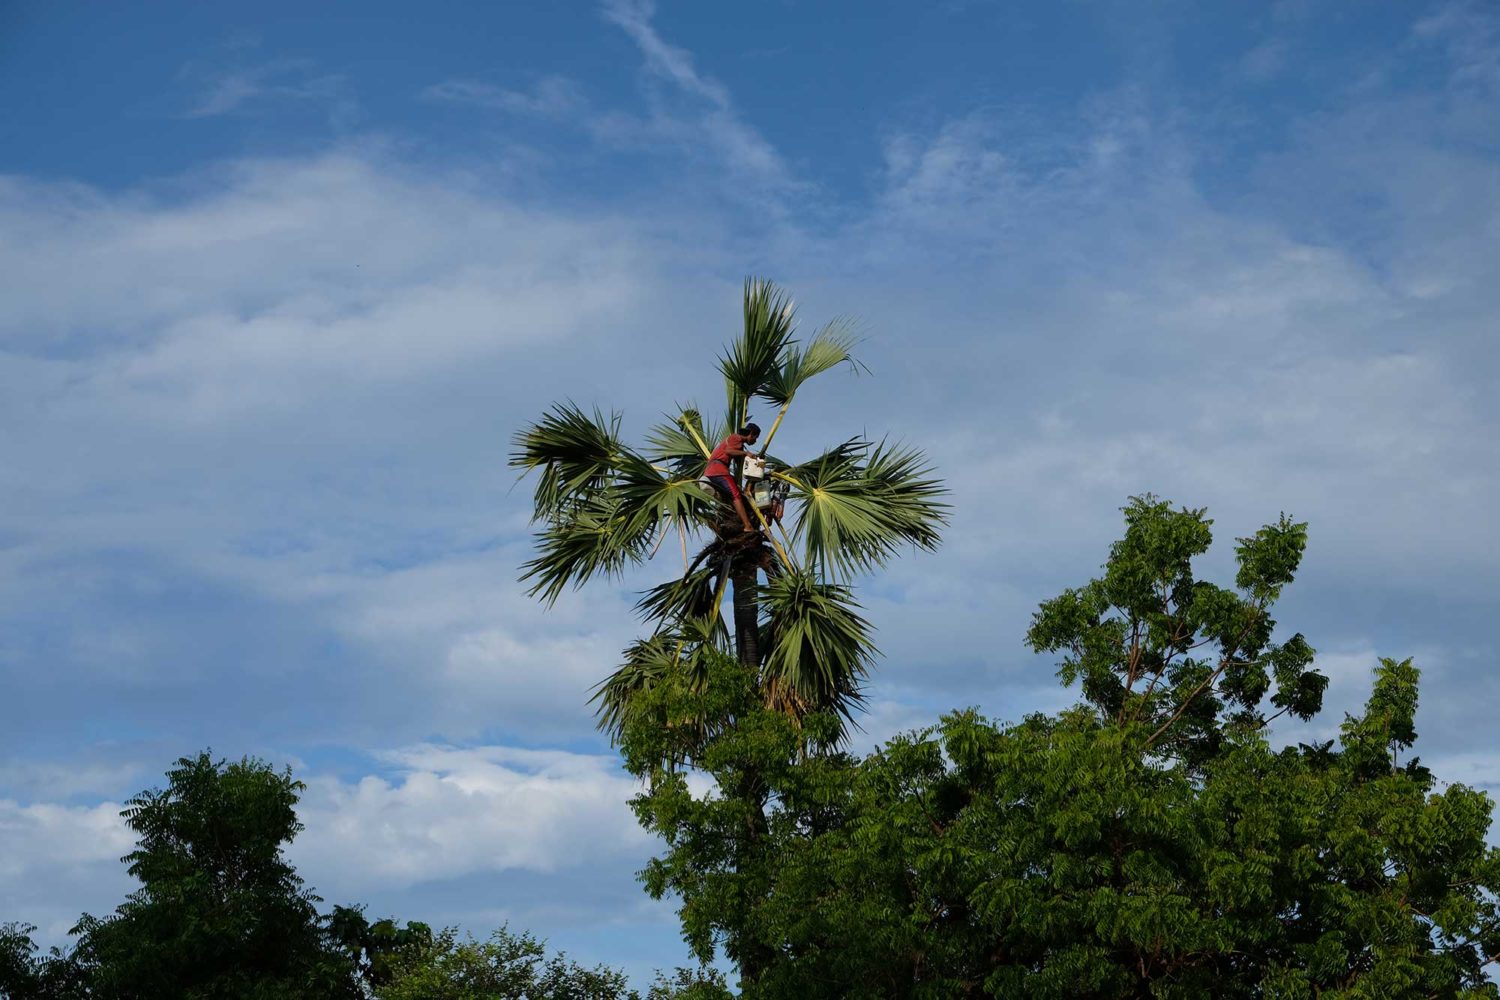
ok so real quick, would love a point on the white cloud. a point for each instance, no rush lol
(47, 835)
(459, 812)
(58, 861)
(449, 813)
(475, 648)
(53, 780)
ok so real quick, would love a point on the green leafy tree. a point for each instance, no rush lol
(376, 949)
(220, 912)
(507, 966)
(516, 966)
(604, 506)
(1148, 842)
(26, 973)
(1150, 644)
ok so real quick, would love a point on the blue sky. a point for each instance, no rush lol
(279, 286)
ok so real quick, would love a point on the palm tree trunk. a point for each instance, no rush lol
(750, 955)
(743, 574)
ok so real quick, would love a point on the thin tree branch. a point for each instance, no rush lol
(1130, 665)
(1266, 722)
(1185, 703)
(1223, 664)
(1146, 695)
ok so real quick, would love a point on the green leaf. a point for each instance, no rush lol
(576, 454)
(855, 515)
(830, 347)
(820, 646)
(753, 359)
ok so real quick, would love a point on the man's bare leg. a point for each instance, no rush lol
(739, 506)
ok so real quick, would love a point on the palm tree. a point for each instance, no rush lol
(603, 506)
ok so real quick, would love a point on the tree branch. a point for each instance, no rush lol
(1223, 664)
(1130, 666)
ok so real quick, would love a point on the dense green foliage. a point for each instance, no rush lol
(511, 966)
(1149, 842)
(221, 915)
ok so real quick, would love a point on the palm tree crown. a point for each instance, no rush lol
(603, 506)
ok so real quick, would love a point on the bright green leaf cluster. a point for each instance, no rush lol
(1153, 647)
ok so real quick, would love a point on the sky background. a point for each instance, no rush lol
(278, 285)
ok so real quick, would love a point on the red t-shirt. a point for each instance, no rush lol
(718, 462)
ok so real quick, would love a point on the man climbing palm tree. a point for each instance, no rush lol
(718, 473)
(603, 506)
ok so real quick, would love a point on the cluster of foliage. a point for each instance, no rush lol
(220, 912)
(1150, 841)
(222, 915)
(509, 965)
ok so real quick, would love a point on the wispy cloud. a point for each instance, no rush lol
(662, 58)
(1265, 61)
(708, 115)
(242, 89)
(551, 97)
(689, 114)
(1471, 33)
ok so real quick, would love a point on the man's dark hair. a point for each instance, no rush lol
(750, 430)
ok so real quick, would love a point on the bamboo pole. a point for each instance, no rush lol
(790, 479)
(750, 502)
(697, 438)
(774, 425)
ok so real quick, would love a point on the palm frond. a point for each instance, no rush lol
(654, 678)
(648, 663)
(831, 464)
(754, 357)
(688, 597)
(682, 446)
(575, 452)
(819, 649)
(910, 492)
(648, 496)
(832, 346)
(589, 537)
(856, 514)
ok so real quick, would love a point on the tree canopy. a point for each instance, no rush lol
(1151, 841)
